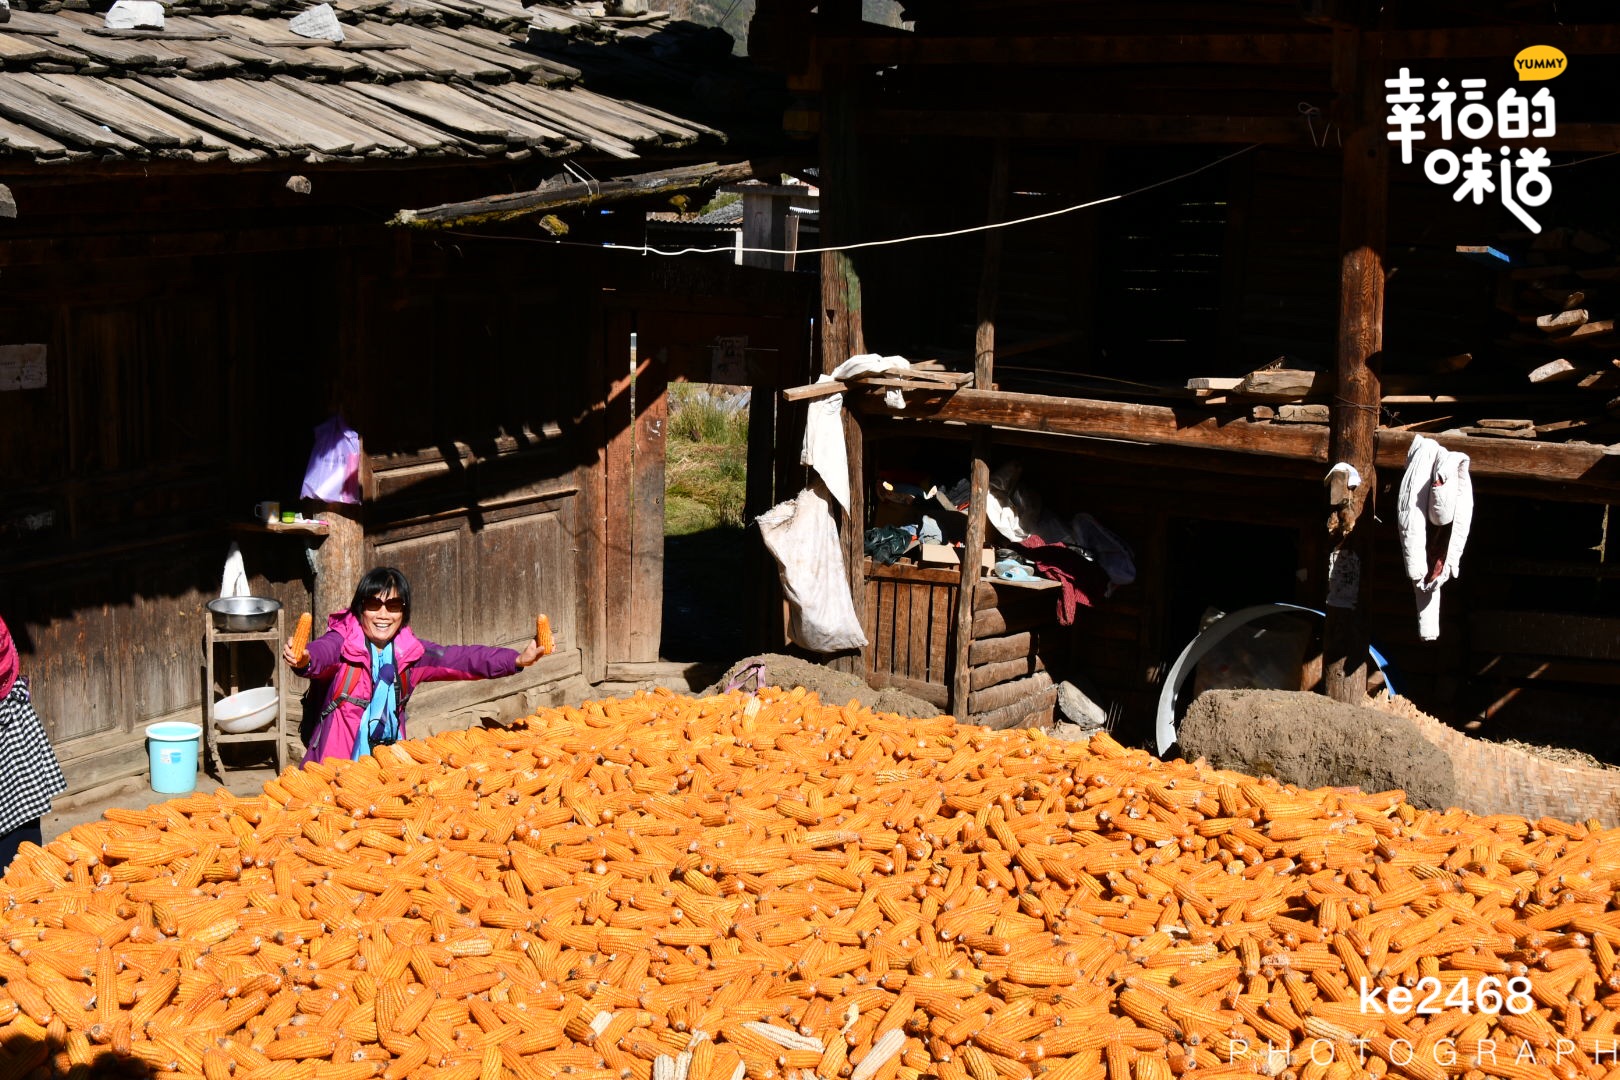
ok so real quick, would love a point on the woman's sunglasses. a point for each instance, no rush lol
(377, 603)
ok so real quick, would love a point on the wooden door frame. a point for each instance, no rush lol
(672, 342)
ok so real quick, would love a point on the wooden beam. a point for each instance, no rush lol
(1192, 426)
(1070, 50)
(1589, 472)
(1120, 127)
(1263, 50)
(758, 496)
(1494, 42)
(544, 200)
(1546, 634)
(1004, 622)
(1018, 712)
(1589, 138)
(1118, 430)
(591, 479)
(984, 356)
(1162, 128)
(936, 696)
(1354, 424)
(994, 674)
(340, 560)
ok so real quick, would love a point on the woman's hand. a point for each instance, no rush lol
(531, 652)
(292, 657)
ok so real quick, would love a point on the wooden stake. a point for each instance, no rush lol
(841, 332)
(984, 357)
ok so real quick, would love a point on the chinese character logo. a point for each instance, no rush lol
(1518, 179)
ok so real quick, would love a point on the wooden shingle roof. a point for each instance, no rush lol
(228, 81)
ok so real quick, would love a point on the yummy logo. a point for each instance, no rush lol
(1539, 62)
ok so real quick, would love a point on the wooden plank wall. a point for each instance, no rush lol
(474, 381)
(182, 388)
(911, 617)
(112, 527)
(911, 630)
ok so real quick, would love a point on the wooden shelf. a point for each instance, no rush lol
(298, 528)
(271, 639)
(225, 636)
(269, 734)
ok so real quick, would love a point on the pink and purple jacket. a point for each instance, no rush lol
(344, 643)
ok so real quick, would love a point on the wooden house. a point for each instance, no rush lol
(204, 255)
(1207, 191)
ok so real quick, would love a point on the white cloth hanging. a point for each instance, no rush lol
(1436, 491)
(873, 364)
(824, 448)
(234, 582)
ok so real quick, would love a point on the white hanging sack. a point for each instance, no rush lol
(802, 535)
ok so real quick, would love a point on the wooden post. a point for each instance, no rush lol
(763, 227)
(590, 509)
(758, 566)
(984, 358)
(340, 560)
(841, 333)
(1361, 340)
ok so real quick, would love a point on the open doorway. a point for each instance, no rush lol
(691, 434)
(706, 613)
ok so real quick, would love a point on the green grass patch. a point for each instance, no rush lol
(705, 462)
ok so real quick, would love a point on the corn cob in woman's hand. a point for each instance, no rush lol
(300, 640)
(542, 645)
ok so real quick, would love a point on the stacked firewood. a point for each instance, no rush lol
(1008, 683)
(1565, 299)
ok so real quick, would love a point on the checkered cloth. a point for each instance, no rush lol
(32, 776)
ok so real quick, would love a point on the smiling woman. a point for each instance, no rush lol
(370, 661)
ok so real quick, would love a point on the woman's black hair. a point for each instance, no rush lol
(378, 580)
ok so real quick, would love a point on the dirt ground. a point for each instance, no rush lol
(1311, 741)
(833, 687)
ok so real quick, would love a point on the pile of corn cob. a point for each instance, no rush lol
(771, 888)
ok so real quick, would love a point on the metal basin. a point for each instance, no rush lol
(242, 614)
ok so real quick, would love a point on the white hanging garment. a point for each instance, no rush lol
(824, 448)
(234, 582)
(1435, 492)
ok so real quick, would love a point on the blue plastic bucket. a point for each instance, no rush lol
(173, 747)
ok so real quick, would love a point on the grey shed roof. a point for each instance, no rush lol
(228, 81)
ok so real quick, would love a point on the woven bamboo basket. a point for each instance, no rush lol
(1496, 779)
